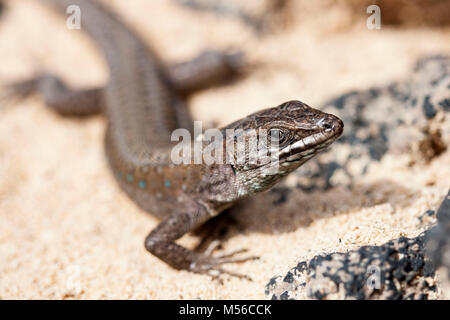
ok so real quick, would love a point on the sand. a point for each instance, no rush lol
(67, 230)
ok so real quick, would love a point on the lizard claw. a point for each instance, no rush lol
(232, 253)
(207, 264)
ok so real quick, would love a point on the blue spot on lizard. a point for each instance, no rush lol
(130, 178)
(142, 184)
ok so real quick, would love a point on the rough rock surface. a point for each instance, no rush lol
(438, 244)
(400, 269)
(408, 116)
(395, 270)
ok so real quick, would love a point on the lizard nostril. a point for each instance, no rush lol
(326, 124)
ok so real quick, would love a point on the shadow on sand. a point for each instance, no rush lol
(284, 209)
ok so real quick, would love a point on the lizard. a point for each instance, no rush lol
(143, 104)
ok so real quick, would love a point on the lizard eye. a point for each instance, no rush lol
(276, 136)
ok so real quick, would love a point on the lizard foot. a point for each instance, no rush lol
(212, 266)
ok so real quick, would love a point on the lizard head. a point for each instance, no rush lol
(293, 133)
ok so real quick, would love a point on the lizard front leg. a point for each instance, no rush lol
(58, 96)
(161, 243)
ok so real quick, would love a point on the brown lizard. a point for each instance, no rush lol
(143, 104)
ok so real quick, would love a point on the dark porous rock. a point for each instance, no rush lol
(438, 245)
(427, 217)
(398, 269)
(403, 117)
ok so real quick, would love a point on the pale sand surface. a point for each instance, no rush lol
(63, 217)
